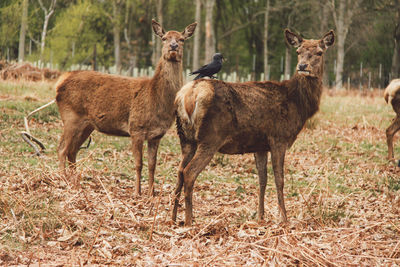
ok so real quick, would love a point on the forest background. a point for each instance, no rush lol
(116, 35)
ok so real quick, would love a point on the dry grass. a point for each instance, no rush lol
(341, 194)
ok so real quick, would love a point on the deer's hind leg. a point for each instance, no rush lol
(200, 160)
(188, 151)
(76, 131)
(261, 164)
(278, 151)
(390, 132)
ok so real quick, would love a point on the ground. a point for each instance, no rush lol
(342, 196)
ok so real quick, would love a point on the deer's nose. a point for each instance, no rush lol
(174, 46)
(302, 66)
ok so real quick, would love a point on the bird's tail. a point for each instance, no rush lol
(199, 77)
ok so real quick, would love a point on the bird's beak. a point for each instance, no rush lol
(223, 59)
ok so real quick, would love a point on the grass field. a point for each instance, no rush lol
(342, 196)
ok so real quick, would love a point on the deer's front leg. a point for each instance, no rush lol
(152, 162)
(137, 149)
(390, 132)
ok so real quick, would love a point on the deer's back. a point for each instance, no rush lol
(244, 115)
(105, 100)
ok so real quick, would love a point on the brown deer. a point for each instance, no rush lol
(142, 108)
(392, 97)
(251, 117)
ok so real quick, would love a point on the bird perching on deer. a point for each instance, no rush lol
(210, 69)
(251, 117)
(142, 108)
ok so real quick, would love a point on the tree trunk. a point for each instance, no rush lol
(196, 44)
(343, 21)
(47, 14)
(339, 62)
(288, 63)
(117, 36)
(209, 27)
(341, 34)
(396, 53)
(22, 33)
(266, 18)
(323, 28)
(160, 20)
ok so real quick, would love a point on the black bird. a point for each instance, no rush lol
(210, 69)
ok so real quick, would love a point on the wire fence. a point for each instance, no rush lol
(364, 79)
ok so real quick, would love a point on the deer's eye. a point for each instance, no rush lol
(164, 38)
(181, 40)
(298, 52)
(319, 53)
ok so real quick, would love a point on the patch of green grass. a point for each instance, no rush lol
(394, 183)
(333, 215)
(42, 91)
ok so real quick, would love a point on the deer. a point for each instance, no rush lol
(250, 117)
(392, 97)
(140, 108)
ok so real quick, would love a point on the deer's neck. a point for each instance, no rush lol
(167, 79)
(305, 92)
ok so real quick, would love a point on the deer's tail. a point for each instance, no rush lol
(192, 102)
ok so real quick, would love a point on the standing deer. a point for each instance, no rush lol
(251, 117)
(142, 108)
(392, 97)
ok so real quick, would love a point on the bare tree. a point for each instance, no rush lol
(48, 12)
(266, 28)
(159, 6)
(396, 52)
(22, 33)
(342, 17)
(323, 13)
(210, 36)
(196, 44)
(116, 6)
(131, 49)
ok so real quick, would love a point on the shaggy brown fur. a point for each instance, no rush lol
(392, 97)
(141, 108)
(253, 117)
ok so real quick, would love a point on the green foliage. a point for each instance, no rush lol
(10, 18)
(77, 26)
(78, 29)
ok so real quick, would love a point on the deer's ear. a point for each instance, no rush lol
(158, 30)
(189, 30)
(292, 38)
(328, 39)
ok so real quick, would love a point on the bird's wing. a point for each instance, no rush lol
(199, 70)
(212, 68)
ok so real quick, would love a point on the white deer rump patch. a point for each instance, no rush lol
(391, 90)
(193, 100)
